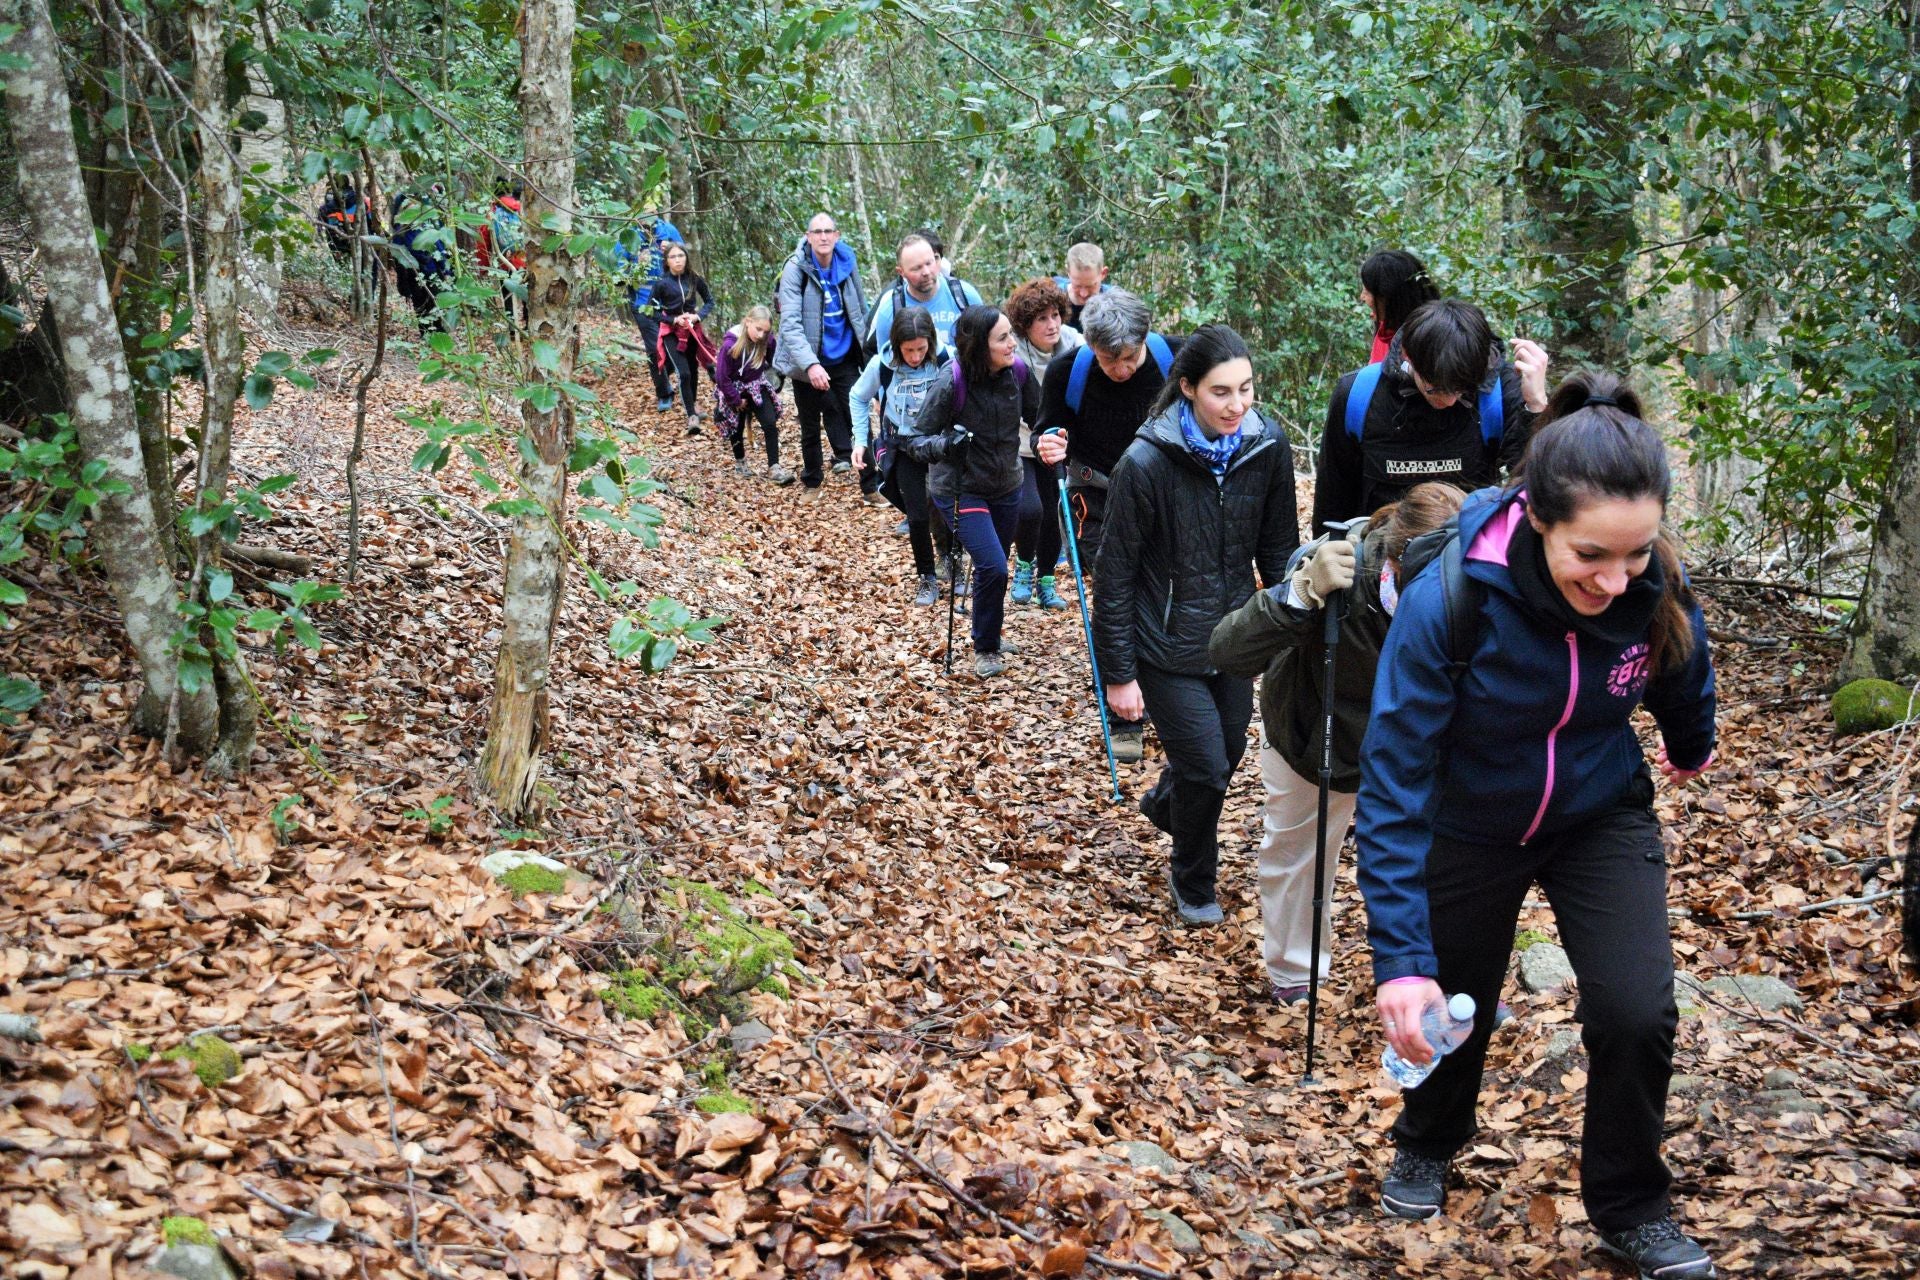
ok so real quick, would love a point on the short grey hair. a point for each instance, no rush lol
(1116, 321)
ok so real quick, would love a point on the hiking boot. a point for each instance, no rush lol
(811, 490)
(1287, 994)
(779, 475)
(841, 465)
(929, 590)
(1048, 597)
(1129, 744)
(1156, 807)
(986, 665)
(1200, 915)
(1415, 1187)
(902, 529)
(665, 405)
(693, 423)
(873, 499)
(1022, 582)
(742, 468)
(1661, 1250)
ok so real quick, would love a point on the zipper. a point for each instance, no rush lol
(1166, 615)
(1573, 696)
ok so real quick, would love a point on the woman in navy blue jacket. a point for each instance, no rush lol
(1522, 768)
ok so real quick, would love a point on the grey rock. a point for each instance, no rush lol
(1253, 1240)
(1231, 1078)
(1201, 1060)
(1785, 1101)
(1183, 1237)
(1780, 1078)
(1544, 967)
(1147, 1155)
(1686, 1086)
(194, 1262)
(1274, 1223)
(1755, 990)
(749, 1035)
(1564, 1042)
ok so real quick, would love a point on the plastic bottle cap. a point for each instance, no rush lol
(1461, 1006)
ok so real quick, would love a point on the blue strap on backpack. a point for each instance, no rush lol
(1083, 365)
(1493, 405)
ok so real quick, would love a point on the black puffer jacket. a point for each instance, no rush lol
(1180, 547)
(985, 460)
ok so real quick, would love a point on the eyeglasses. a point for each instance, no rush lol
(823, 231)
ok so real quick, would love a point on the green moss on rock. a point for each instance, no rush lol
(529, 877)
(635, 994)
(1863, 706)
(187, 1231)
(139, 1052)
(214, 1060)
(1529, 938)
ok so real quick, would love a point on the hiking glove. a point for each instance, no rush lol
(1327, 570)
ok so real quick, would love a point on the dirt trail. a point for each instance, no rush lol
(995, 995)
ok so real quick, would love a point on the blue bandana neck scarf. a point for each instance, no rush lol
(1216, 453)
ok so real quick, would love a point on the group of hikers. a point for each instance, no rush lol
(1451, 661)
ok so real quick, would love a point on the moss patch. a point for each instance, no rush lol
(1863, 706)
(702, 964)
(187, 1231)
(719, 1095)
(635, 994)
(214, 1060)
(1529, 938)
(139, 1052)
(531, 878)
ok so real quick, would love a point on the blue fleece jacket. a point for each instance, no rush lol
(1535, 735)
(902, 400)
(836, 335)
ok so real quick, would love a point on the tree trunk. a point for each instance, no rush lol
(1886, 627)
(265, 146)
(1580, 122)
(124, 531)
(225, 355)
(536, 555)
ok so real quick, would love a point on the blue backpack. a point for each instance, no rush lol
(1083, 365)
(1493, 405)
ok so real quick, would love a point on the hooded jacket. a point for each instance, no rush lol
(1180, 546)
(1531, 739)
(976, 451)
(1286, 648)
(802, 302)
(1405, 441)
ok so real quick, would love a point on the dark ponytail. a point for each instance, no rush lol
(1593, 443)
(1211, 346)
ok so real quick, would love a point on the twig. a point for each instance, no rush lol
(904, 1152)
(560, 1028)
(1829, 905)
(1753, 1013)
(437, 1197)
(1705, 580)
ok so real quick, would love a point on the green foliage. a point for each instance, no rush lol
(437, 814)
(530, 877)
(285, 825)
(1526, 938)
(214, 1060)
(179, 1230)
(138, 1053)
(1863, 706)
(52, 494)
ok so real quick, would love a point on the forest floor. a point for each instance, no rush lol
(995, 1055)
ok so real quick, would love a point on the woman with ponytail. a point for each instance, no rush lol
(1521, 768)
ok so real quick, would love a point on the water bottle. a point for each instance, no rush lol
(1446, 1027)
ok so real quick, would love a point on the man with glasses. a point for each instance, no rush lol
(1446, 404)
(823, 311)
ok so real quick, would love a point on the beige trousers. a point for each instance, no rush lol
(1287, 855)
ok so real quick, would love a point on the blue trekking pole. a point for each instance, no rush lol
(1086, 621)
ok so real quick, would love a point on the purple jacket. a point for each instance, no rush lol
(735, 382)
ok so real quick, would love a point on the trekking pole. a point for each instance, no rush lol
(953, 558)
(1086, 622)
(1335, 605)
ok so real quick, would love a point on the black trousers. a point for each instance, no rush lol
(767, 413)
(1606, 880)
(829, 409)
(648, 322)
(686, 367)
(1202, 722)
(417, 287)
(912, 479)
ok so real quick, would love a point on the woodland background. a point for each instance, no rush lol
(784, 979)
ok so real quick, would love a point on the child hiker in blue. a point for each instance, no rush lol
(900, 382)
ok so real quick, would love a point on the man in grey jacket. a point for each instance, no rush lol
(823, 311)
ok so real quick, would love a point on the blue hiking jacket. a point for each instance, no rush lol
(1532, 737)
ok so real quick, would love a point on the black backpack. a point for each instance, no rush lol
(1463, 598)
